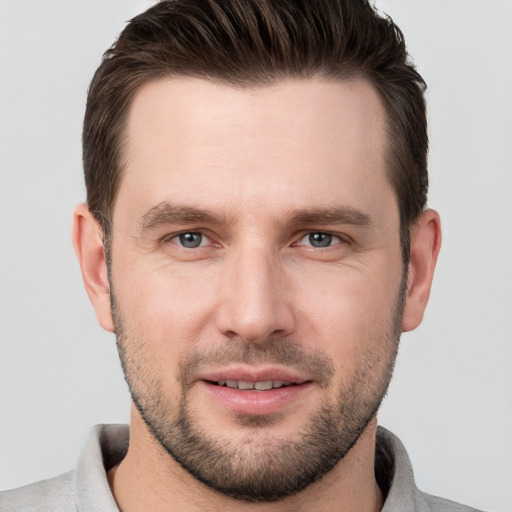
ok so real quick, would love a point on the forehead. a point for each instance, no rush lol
(296, 140)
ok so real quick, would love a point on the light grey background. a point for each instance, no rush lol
(451, 398)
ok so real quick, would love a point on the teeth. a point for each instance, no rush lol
(262, 386)
(258, 386)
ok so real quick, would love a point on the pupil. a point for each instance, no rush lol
(190, 240)
(320, 239)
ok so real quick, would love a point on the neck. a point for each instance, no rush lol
(150, 479)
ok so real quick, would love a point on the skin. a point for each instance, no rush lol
(254, 158)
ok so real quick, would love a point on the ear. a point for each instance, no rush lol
(425, 245)
(88, 243)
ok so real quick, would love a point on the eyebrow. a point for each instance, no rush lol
(166, 213)
(326, 216)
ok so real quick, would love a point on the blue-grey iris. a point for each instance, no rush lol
(320, 239)
(191, 240)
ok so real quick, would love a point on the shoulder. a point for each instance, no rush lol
(394, 473)
(427, 503)
(85, 488)
(47, 495)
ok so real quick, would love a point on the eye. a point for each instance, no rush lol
(320, 239)
(190, 240)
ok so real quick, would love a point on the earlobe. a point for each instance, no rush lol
(425, 245)
(88, 243)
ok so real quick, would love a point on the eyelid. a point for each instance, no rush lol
(342, 239)
(170, 237)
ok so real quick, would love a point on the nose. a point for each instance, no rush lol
(256, 302)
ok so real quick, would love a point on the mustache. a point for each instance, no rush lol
(282, 352)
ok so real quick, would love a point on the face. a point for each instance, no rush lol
(256, 276)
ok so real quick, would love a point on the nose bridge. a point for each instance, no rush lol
(255, 302)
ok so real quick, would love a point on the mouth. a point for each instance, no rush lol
(253, 386)
(252, 391)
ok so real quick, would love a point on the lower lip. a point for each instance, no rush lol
(257, 402)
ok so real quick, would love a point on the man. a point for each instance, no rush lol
(257, 238)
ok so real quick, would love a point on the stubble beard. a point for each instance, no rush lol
(262, 468)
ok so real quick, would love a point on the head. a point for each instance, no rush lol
(252, 44)
(255, 232)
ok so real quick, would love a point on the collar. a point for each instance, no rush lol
(106, 446)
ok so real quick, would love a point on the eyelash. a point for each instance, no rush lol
(331, 236)
(170, 238)
(327, 234)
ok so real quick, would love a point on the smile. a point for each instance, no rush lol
(257, 386)
(257, 396)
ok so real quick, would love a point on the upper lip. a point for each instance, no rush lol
(248, 374)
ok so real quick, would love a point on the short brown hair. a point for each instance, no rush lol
(248, 43)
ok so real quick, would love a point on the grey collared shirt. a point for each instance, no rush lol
(86, 489)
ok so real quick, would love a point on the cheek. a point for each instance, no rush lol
(164, 304)
(349, 311)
